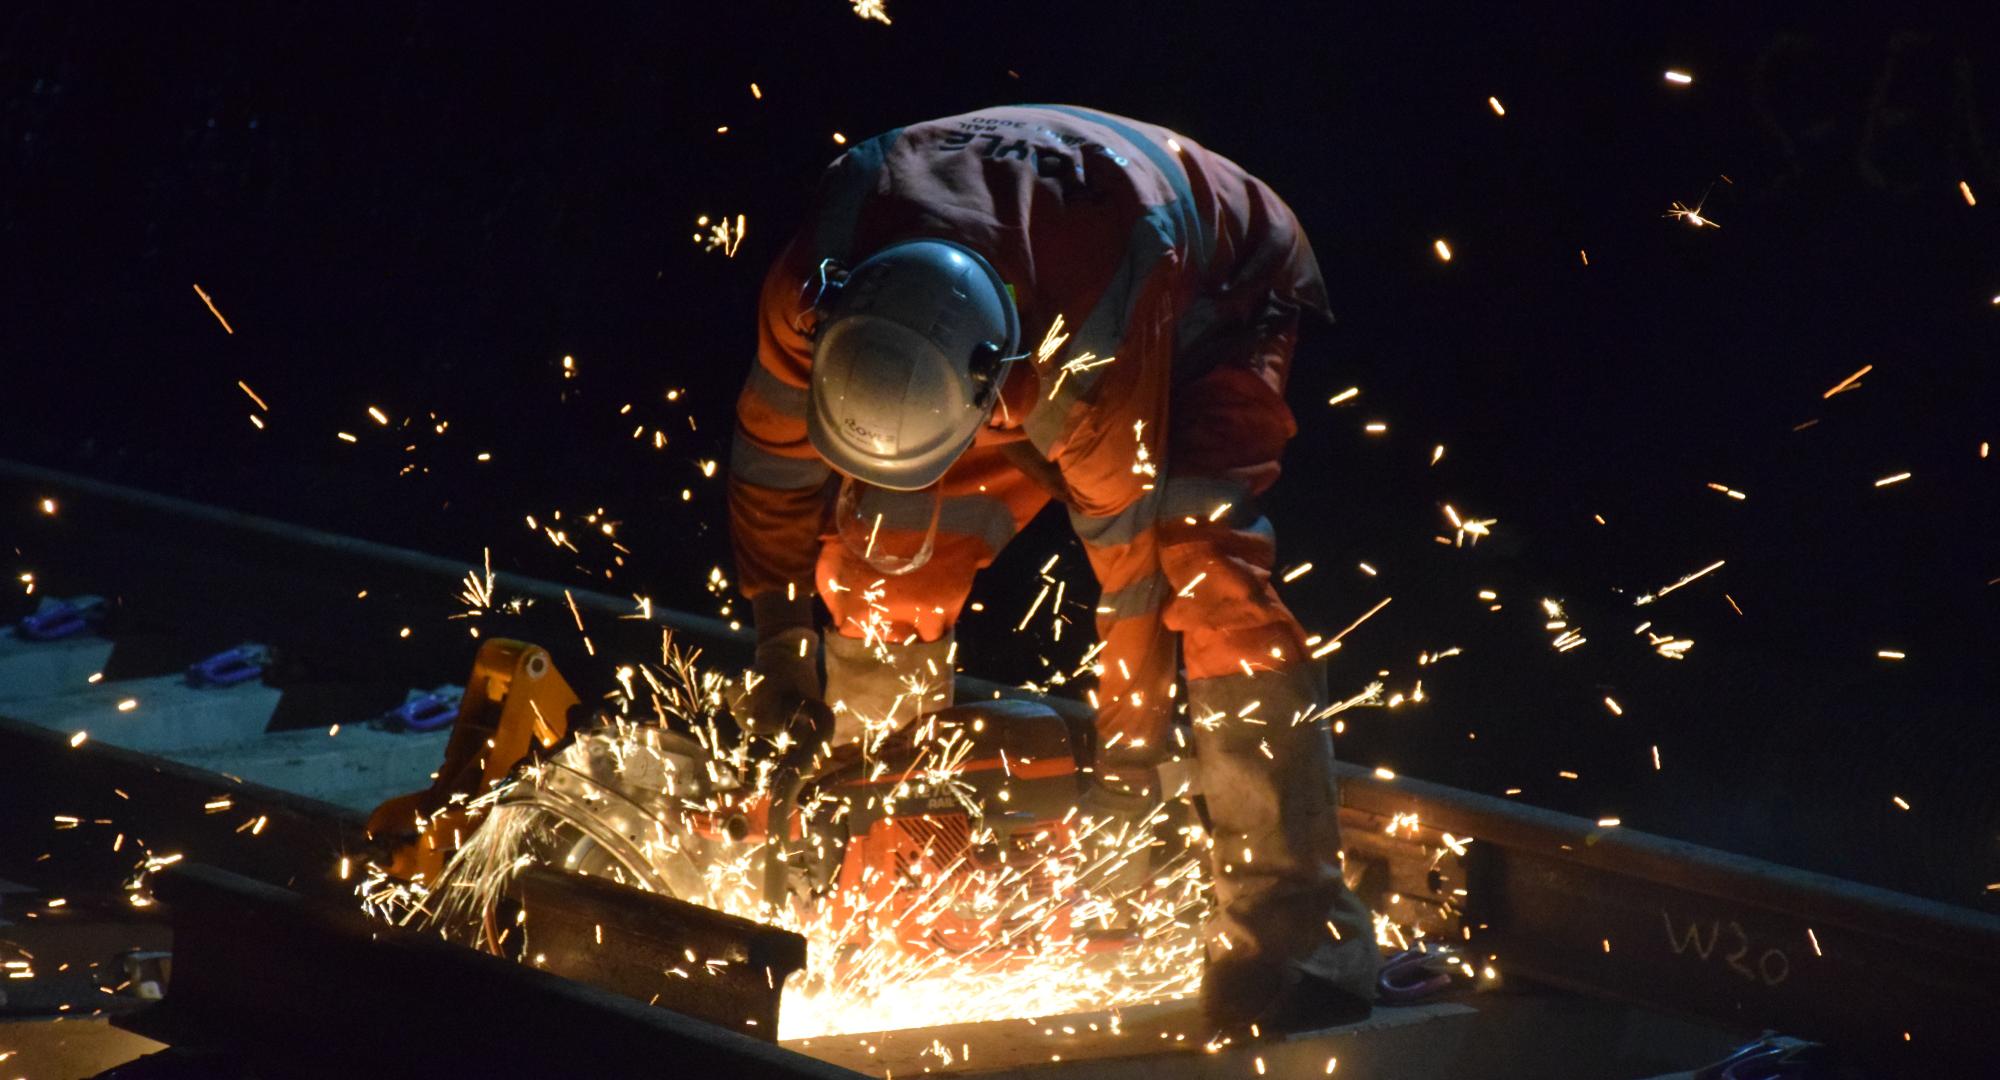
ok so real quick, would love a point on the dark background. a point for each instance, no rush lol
(425, 207)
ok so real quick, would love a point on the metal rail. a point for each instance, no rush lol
(122, 805)
(634, 943)
(305, 991)
(235, 576)
(1897, 980)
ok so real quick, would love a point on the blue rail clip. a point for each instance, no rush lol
(1776, 1057)
(1413, 975)
(424, 710)
(231, 666)
(56, 619)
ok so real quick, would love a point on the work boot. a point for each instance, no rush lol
(1288, 940)
(872, 684)
(1274, 999)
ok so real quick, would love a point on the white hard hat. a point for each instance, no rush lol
(908, 359)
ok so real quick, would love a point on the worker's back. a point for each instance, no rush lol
(1067, 203)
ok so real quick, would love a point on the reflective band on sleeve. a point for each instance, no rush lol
(848, 183)
(753, 464)
(783, 398)
(1103, 330)
(1140, 598)
(1120, 528)
(1198, 497)
(980, 516)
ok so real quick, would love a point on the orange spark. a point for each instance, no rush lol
(1848, 382)
(211, 309)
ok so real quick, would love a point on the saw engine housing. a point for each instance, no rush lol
(961, 833)
(984, 854)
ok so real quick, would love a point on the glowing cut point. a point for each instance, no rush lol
(1443, 249)
(1498, 109)
(1681, 78)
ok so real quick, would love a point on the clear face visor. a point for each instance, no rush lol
(893, 532)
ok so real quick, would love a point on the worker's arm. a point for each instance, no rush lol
(777, 484)
(778, 500)
(1111, 448)
(1102, 416)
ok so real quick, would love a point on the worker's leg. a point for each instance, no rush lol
(888, 650)
(1282, 909)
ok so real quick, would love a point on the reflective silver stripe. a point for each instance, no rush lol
(1139, 598)
(781, 396)
(1103, 330)
(1199, 496)
(1122, 527)
(981, 516)
(753, 464)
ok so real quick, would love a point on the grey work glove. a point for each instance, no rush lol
(784, 677)
(785, 673)
(885, 685)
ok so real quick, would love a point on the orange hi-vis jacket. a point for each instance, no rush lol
(1178, 280)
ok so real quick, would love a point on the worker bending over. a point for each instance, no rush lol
(989, 311)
